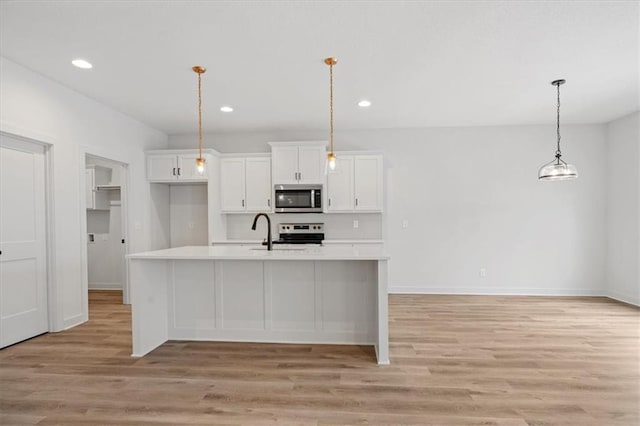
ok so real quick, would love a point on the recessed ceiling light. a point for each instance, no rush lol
(81, 63)
(226, 109)
(364, 103)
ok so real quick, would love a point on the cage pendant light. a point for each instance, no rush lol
(200, 161)
(331, 157)
(558, 169)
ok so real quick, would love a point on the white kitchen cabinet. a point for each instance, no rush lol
(245, 184)
(368, 181)
(232, 184)
(340, 186)
(174, 167)
(356, 184)
(258, 184)
(94, 176)
(298, 163)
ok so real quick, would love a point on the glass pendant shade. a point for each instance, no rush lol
(331, 161)
(557, 170)
(201, 166)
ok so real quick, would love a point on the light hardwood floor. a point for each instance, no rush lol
(455, 360)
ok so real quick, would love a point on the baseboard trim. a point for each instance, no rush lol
(74, 321)
(624, 299)
(466, 291)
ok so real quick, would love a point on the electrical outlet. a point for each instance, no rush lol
(483, 272)
(356, 223)
(405, 224)
(192, 225)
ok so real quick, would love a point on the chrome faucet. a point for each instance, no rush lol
(253, 227)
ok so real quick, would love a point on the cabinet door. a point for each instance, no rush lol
(367, 180)
(258, 184)
(284, 164)
(162, 167)
(311, 164)
(232, 184)
(187, 168)
(340, 186)
(89, 177)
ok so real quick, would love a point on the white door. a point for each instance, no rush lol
(258, 184)
(232, 184)
(284, 163)
(367, 180)
(340, 186)
(311, 164)
(162, 167)
(187, 168)
(23, 285)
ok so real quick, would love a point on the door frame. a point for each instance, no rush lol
(55, 318)
(124, 212)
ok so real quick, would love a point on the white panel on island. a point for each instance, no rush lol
(329, 295)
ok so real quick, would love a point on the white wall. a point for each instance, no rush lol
(188, 221)
(34, 106)
(472, 199)
(623, 208)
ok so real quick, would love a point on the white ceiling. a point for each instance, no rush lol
(420, 63)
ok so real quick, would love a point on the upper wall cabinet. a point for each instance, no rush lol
(356, 184)
(294, 162)
(174, 167)
(245, 184)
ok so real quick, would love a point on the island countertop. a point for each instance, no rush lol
(261, 253)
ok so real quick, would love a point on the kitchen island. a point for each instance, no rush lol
(327, 295)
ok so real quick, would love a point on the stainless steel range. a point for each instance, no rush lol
(300, 233)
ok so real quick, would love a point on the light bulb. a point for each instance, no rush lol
(200, 163)
(331, 158)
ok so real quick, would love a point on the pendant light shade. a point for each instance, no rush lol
(331, 157)
(200, 161)
(558, 169)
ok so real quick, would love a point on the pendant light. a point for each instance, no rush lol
(331, 157)
(558, 169)
(200, 161)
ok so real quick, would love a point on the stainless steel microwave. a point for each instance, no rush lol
(298, 198)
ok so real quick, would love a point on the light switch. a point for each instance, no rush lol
(405, 223)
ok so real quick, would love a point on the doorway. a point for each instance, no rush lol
(24, 309)
(106, 229)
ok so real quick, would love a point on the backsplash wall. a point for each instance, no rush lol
(336, 226)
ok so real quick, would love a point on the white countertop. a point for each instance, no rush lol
(337, 252)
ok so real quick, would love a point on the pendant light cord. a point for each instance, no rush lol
(558, 153)
(331, 107)
(200, 115)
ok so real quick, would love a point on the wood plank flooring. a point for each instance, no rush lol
(455, 360)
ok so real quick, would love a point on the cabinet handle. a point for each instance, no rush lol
(174, 171)
(178, 171)
(356, 202)
(329, 202)
(299, 175)
(269, 202)
(242, 203)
